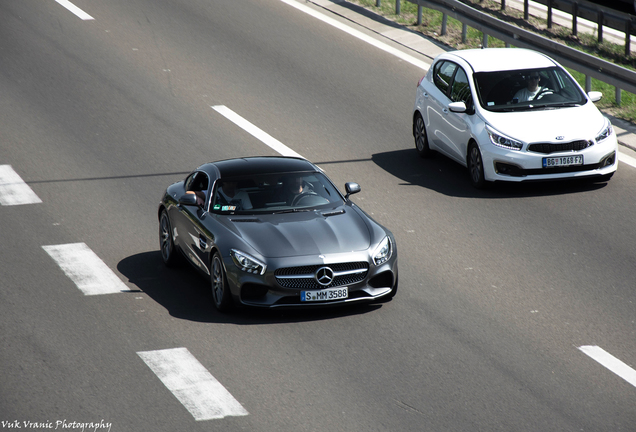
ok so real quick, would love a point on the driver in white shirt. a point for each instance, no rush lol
(531, 91)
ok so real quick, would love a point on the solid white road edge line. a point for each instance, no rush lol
(13, 190)
(610, 362)
(191, 383)
(74, 9)
(368, 39)
(91, 275)
(255, 131)
(627, 159)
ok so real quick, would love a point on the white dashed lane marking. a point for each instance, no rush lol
(610, 362)
(74, 9)
(191, 383)
(255, 131)
(13, 190)
(627, 159)
(91, 275)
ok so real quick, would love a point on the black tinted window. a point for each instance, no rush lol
(499, 91)
(443, 74)
(280, 192)
(197, 181)
(460, 92)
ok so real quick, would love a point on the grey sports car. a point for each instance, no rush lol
(275, 232)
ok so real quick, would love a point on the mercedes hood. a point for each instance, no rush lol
(313, 232)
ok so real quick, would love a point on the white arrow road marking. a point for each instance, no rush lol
(13, 190)
(202, 395)
(610, 362)
(74, 9)
(91, 275)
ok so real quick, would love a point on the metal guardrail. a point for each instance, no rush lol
(591, 66)
(601, 15)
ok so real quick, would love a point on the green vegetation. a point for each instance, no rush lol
(432, 24)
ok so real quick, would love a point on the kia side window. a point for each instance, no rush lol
(460, 92)
(443, 75)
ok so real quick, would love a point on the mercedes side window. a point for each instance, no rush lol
(198, 183)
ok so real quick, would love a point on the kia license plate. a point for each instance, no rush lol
(562, 161)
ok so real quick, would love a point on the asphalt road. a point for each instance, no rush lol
(499, 290)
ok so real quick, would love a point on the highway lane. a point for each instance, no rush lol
(497, 289)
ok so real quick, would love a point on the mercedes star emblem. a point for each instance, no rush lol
(324, 276)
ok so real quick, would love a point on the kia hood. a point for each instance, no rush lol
(303, 233)
(548, 125)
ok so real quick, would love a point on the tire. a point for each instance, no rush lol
(221, 296)
(420, 136)
(475, 165)
(166, 244)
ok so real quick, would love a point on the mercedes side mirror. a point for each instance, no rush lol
(351, 188)
(188, 199)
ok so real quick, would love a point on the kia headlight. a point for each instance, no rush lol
(501, 140)
(383, 252)
(606, 132)
(247, 263)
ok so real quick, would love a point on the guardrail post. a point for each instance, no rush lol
(526, 12)
(503, 4)
(628, 38)
(398, 7)
(444, 22)
(419, 15)
(549, 14)
(575, 13)
(617, 95)
(588, 83)
(464, 32)
(377, 3)
(601, 18)
(484, 41)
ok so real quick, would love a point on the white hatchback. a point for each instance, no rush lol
(512, 114)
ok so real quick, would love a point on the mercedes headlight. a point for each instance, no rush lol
(383, 252)
(503, 141)
(606, 132)
(247, 263)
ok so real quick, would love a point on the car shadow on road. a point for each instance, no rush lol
(447, 177)
(186, 295)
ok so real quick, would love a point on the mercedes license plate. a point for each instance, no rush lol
(325, 294)
(562, 161)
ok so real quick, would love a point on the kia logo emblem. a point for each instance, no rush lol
(324, 276)
(560, 137)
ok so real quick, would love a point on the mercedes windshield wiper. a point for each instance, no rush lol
(292, 210)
